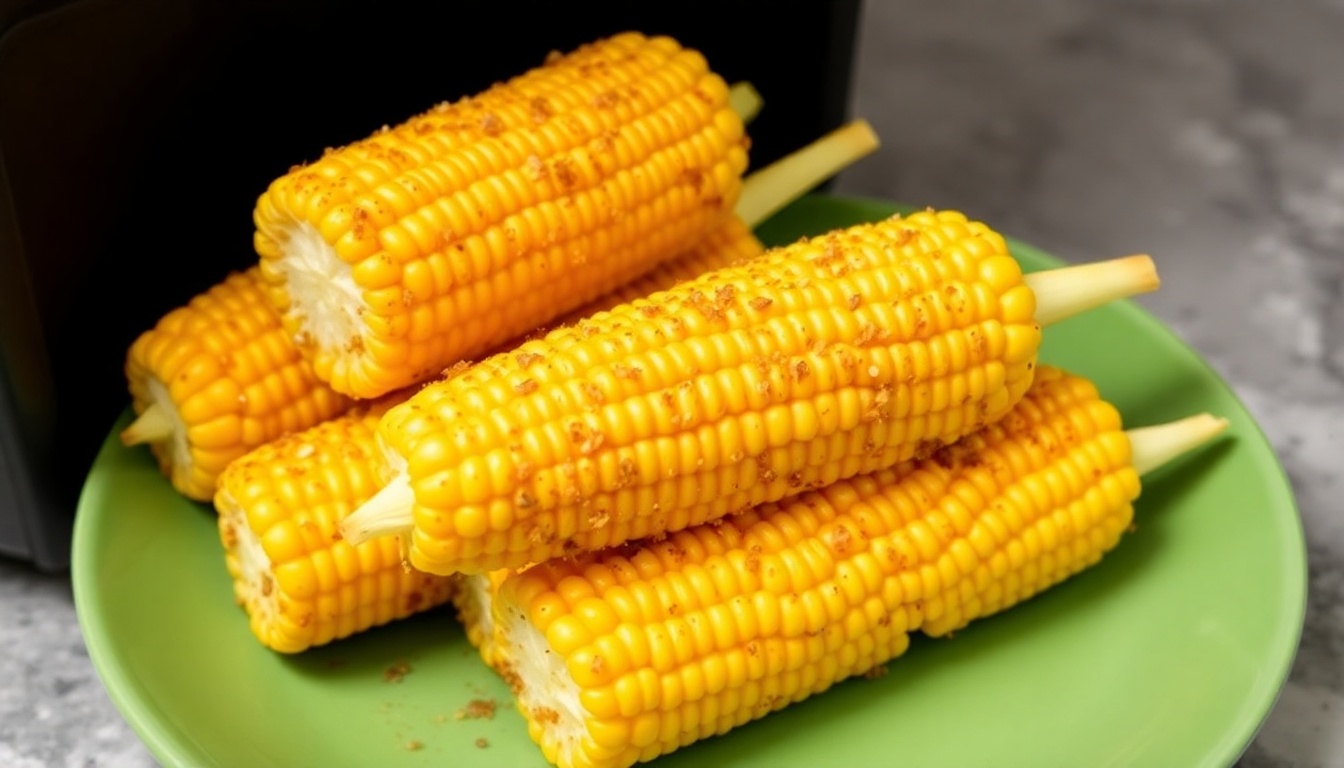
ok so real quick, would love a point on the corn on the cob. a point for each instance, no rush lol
(624, 655)
(216, 378)
(279, 506)
(835, 356)
(479, 220)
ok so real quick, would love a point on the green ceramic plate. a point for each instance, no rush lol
(1170, 652)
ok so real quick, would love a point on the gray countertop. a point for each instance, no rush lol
(1210, 131)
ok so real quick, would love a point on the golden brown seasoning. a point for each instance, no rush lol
(396, 672)
(477, 709)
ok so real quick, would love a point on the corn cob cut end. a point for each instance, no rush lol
(1153, 447)
(312, 271)
(1067, 291)
(160, 426)
(473, 599)
(247, 564)
(544, 690)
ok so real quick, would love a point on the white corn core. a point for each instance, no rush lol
(476, 590)
(177, 443)
(322, 290)
(544, 683)
(253, 564)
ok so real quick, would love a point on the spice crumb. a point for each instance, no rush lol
(873, 673)
(482, 743)
(477, 709)
(414, 745)
(396, 672)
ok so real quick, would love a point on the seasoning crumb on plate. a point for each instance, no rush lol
(396, 672)
(477, 709)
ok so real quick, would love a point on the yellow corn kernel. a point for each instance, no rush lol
(844, 546)
(299, 582)
(732, 242)
(217, 378)
(440, 238)
(788, 371)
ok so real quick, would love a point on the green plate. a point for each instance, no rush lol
(1170, 652)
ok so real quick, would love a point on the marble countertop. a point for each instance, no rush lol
(1211, 131)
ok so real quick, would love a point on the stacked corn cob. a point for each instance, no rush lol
(700, 504)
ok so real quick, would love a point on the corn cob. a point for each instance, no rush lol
(624, 655)
(216, 378)
(480, 220)
(835, 356)
(300, 584)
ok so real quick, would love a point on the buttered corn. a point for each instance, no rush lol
(838, 355)
(475, 222)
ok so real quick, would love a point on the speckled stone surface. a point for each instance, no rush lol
(1210, 131)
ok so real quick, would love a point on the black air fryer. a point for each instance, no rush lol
(136, 135)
